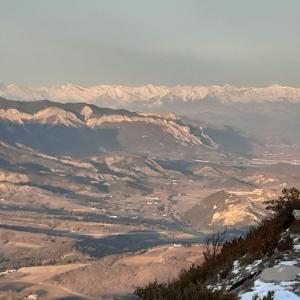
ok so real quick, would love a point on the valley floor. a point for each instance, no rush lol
(103, 279)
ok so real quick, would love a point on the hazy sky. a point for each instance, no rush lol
(254, 42)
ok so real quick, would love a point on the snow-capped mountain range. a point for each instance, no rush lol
(119, 95)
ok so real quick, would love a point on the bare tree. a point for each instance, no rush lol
(214, 243)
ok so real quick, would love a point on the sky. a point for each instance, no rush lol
(135, 42)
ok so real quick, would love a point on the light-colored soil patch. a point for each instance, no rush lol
(42, 273)
(161, 255)
(26, 245)
(141, 260)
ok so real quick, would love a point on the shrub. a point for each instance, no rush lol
(174, 291)
(286, 243)
(295, 227)
(270, 296)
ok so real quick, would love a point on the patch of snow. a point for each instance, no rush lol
(253, 265)
(297, 247)
(236, 267)
(288, 263)
(262, 288)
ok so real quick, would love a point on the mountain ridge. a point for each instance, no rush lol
(41, 123)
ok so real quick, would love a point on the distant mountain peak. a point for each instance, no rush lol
(112, 95)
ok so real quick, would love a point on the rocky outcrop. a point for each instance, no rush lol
(12, 177)
(280, 273)
(14, 115)
(54, 115)
(296, 214)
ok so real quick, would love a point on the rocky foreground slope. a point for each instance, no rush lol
(277, 275)
(263, 265)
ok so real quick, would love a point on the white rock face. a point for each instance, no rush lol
(14, 115)
(180, 132)
(58, 116)
(54, 115)
(50, 115)
(232, 215)
(86, 112)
